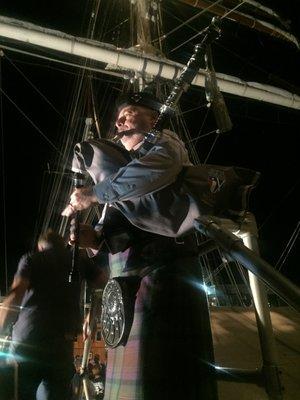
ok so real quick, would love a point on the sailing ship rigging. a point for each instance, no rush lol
(118, 54)
(127, 33)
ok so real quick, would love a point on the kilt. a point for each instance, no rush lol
(169, 352)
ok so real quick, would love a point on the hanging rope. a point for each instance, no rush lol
(189, 20)
(31, 122)
(32, 85)
(287, 250)
(200, 33)
(278, 205)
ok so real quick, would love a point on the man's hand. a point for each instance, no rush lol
(86, 330)
(81, 199)
(88, 237)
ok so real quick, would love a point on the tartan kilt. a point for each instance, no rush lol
(169, 351)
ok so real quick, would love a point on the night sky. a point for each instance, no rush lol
(264, 137)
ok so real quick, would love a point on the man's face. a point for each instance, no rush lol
(139, 119)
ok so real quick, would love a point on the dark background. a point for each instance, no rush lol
(264, 137)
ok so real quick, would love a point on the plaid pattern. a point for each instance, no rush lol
(163, 358)
(123, 381)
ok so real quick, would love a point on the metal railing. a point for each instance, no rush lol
(239, 240)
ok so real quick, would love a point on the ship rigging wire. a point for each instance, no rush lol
(243, 59)
(288, 248)
(30, 120)
(200, 33)
(33, 85)
(184, 23)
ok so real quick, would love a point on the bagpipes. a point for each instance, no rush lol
(216, 190)
(182, 84)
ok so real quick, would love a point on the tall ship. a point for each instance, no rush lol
(62, 68)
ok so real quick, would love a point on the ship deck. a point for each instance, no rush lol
(237, 345)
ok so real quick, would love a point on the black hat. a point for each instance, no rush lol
(143, 99)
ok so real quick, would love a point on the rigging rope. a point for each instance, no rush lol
(193, 109)
(83, 100)
(288, 248)
(29, 120)
(202, 125)
(199, 33)
(31, 84)
(212, 147)
(189, 20)
(278, 205)
(204, 135)
(287, 85)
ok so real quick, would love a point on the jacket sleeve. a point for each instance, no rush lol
(157, 169)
